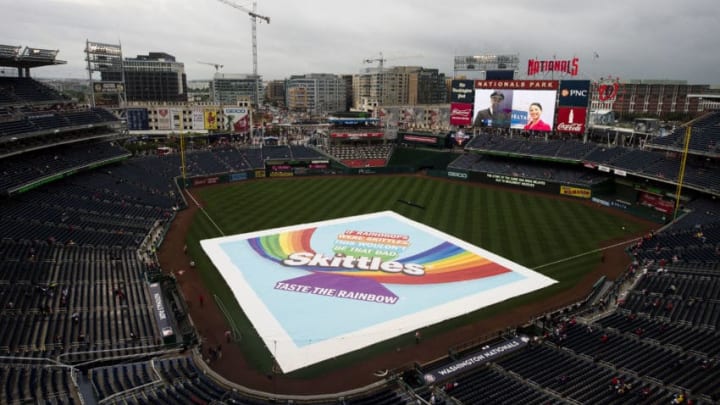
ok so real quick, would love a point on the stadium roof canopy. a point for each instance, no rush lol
(11, 56)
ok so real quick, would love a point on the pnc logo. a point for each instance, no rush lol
(573, 93)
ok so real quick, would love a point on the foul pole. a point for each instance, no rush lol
(681, 174)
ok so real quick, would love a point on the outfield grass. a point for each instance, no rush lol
(530, 229)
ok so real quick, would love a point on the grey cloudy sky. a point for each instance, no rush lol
(635, 39)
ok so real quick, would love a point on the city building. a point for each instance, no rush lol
(199, 91)
(348, 92)
(275, 92)
(231, 88)
(156, 76)
(398, 85)
(315, 93)
(427, 86)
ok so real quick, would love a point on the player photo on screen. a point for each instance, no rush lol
(493, 108)
(533, 110)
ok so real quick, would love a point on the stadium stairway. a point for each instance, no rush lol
(85, 389)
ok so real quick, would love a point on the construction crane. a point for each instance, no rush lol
(217, 66)
(381, 77)
(379, 60)
(253, 23)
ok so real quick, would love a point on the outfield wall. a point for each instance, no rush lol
(607, 193)
(517, 182)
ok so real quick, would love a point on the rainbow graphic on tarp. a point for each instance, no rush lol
(320, 290)
(443, 263)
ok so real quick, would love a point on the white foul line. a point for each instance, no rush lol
(587, 253)
(205, 212)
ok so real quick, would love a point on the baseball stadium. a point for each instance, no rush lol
(415, 255)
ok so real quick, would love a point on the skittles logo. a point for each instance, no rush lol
(376, 256)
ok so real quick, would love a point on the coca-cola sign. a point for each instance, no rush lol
(461, 114)
(571, 120)
(574, 128)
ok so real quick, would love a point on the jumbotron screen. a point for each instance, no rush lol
(521, 104)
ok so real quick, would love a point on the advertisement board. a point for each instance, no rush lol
(177, 119)
(656, 202)
(198, 119)
(210, 118)
(574, 93)
(205, 181)
(526, 109)
(571, 119)
(297, 168)
(161, 312)
(461, 114)
(236, 119)
(357, 135)
(517, 84)
(576, 191)
(476, 359)
(462, 91)
(421, 139)
(163, 119)
(137, 119)
(456, 174)
(108, 87)
(516, 181)
(562, 66)
(608, 89)
(372, 277)
(238, 176)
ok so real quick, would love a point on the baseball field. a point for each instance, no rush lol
(558, 237)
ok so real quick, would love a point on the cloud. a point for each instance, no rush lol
(636, 39)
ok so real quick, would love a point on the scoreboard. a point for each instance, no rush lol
(289, 168)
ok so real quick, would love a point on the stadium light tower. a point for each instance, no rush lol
(253, 23)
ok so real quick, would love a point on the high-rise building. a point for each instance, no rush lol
(231, 88)
(156, 76)
(427, 86)
(275, 92)
(348, 91)
(399, 85)
(315, 93)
